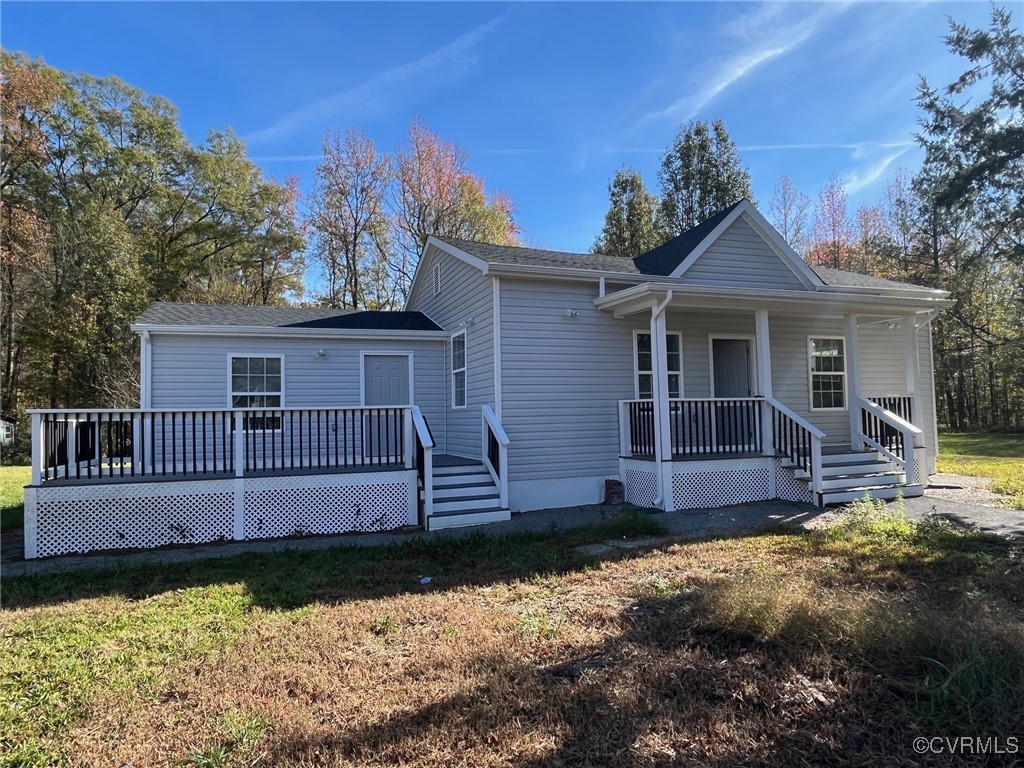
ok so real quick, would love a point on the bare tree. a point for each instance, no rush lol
(789, 209)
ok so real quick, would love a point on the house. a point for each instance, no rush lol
(718, 368)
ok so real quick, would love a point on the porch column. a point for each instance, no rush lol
(662, 435)
(853, 379)
(764, 379)
(913, 364)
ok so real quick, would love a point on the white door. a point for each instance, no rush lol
(385, 384)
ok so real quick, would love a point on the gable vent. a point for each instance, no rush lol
(437, 279)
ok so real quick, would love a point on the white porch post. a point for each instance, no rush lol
(913, 363)
(662, 435)
(764, 379)
(38, 449)
(853, 380)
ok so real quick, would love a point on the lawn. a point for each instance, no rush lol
(999, 456)
(12, 496)
(788, 649)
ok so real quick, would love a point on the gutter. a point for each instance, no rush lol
(273, 331)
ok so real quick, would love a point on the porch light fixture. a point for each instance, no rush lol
(572, 313)
(322, 352)
(894, 325)
(467, 322)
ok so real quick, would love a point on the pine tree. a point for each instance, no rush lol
(701, 173)
(629, 226)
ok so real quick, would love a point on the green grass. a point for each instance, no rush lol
(12, 496)
(998, 456)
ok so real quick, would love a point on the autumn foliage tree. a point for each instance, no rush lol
(832, 232)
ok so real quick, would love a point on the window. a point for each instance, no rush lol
(256, 383)
(437, 279)
(828, 373)
(459, 370)
(645, 370)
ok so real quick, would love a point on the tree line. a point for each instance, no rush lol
(956, 223)
(106, 206)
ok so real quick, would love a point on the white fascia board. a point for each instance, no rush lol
(562, 273)
(695, 296)
(302, 333)
(910, 293)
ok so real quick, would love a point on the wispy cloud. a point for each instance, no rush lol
(857, 146)
(757, 38)
(867, 175)
(374, 94)
(284, 158)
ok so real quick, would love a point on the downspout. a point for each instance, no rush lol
(656, 312)
(146, 372)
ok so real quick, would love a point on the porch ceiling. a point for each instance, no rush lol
(646, 296)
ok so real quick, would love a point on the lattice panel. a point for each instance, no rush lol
(322, 504)
(132, 515)
(719, 488)
(789, 488)
(641, 487)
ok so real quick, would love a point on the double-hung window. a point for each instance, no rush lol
(645, 368)
(256, 382)
(828, 373)
(459, 370)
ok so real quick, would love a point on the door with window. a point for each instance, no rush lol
(732, 378)
(385, 388)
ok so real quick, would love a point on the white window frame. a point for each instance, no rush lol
(231, 390)
(436, 279)
(636, 368)
(811, 373)
(464, 370)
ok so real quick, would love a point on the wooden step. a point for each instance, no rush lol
(465, 517)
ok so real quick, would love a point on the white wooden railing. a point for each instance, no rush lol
(889, 434)
(795, 438)
(424, 459)
(494, 451)
(104, 445)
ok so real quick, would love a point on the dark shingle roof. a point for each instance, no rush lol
(229, 315)
(538, 257)
(663, 259)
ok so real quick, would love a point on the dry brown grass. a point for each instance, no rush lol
(772, 650)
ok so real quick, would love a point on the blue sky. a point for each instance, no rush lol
(549, 99)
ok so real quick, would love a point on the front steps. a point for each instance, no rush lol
(850, 475)
(465, 494)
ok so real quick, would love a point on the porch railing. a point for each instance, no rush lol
(796, 439)
(494, 450)
(108, 444)
(697, 426)
(424, 459)
(891, 435)
(901, 405)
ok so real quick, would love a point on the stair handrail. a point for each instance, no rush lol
(809, 462)
(494, 443)
(425, 458)
(910, 437)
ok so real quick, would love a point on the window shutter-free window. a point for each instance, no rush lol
(828, 373)
(645, 369)
(256, 382)
(459, 370)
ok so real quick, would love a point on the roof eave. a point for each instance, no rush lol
(525, 270)
(287, 332)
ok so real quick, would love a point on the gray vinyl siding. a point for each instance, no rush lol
(465, 293)
(741, 257)
(562, 378)
(697, 329)
(790, 368)
(883, 360)
(190, 372)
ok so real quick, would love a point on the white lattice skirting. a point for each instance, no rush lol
(788, 487)
(81, 518)
(698, 484)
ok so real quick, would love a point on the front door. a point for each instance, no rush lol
(730, 361)
(385, 385)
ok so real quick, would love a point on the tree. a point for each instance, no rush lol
(435, 194)
(347, 215)
(789, 209)
(701, 173)
(629, 227)
(832, 233)
(973, 131)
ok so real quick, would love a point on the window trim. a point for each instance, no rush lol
(464, 370)
(811, 373)
(636, 368)
(231, 390)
